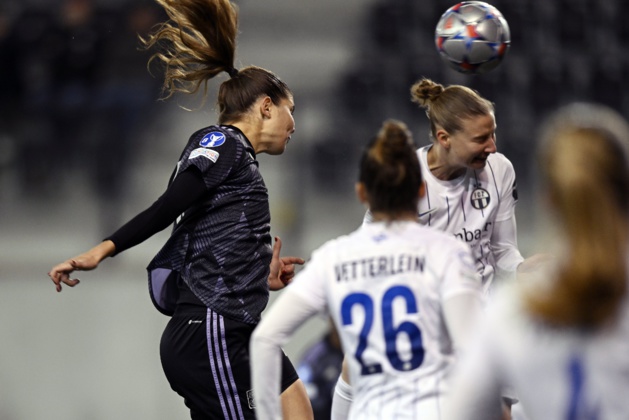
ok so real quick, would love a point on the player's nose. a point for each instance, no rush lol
(491, 146)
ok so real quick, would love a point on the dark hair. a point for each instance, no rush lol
(447, 106)
(236, 95)
(390, 171)
(197, 43)
(584, 164)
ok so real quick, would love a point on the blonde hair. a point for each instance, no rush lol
(583, 161)
(447, 106)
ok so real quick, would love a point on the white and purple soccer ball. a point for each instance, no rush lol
(472, 37)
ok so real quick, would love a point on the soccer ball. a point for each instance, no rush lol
(472, 37)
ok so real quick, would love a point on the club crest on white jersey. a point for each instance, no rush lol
(480, 198)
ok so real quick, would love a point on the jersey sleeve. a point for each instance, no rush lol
(508, 188)
(462, 314)
(504, 234)
(303, 298)
(505, 246)
(278, 325)
(460, 275)
(309, 284)
(477, 382)
(187, 188)
(214, 154)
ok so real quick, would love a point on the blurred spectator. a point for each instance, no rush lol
(10, 86)
(319, 369)
(74, 93)
(125, 101)
(75, 69)
(31, 44)
(55, 58)
(10, 89)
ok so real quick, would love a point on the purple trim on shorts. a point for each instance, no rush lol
(230, 373)
(217, 349)
(217, 331)
(219, 392)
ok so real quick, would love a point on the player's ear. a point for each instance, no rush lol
(361, 192)
(443, 138)
(265, 105)
(422, 190)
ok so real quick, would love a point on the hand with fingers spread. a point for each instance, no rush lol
(89, 260)
(282, 268)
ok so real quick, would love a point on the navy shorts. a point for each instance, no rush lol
(205, 357)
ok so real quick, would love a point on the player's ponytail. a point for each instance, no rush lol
(197, 43)
(447, 106)
(425, 92)
(584, 164)
(390, 171)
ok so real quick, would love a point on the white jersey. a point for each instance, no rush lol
(469, 207)
(384, 286)
(559, 374)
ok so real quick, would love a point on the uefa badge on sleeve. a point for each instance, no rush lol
(213, 139)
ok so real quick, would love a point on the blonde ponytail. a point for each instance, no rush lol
(583, 162)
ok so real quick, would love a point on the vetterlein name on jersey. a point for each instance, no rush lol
(379, 266)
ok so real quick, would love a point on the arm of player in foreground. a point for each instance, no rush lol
(476, 383)
(476, 388)
(462, 314)
(281, 321)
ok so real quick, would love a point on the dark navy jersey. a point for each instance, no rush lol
(221, 246)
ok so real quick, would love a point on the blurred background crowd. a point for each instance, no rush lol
(75, 90)
(85, 143)
(74, 93)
